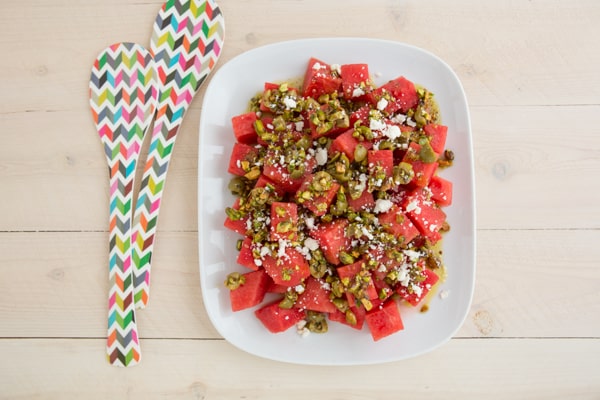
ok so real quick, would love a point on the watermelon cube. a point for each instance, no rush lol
(251, 292)
(284, 221)
(289, 268)
(319, 79)
(332, 239)
(243, 127)
(277, 319)
(315, 297)
(384, 320)
(441, 190)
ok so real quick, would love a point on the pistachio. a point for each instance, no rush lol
(234, 280)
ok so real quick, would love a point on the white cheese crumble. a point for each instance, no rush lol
(321, 156)
(377, 125)
(444, 294)
(289, 102)
(382, 104)
(392, 132)
(311, 244)
(412, 255)
(382, 205)
(282, 246)
(310, 223)
(357, 92)
(299, 289)
(317, 66)
(299, 125)
(418, 290)
(336, 68)
(413, 206)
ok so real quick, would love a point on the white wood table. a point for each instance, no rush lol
(531, 73)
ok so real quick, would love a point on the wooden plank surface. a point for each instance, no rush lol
(196, 369)
(530, 72)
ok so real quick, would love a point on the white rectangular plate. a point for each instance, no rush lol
(226, 96)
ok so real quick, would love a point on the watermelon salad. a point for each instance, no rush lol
(339, 206)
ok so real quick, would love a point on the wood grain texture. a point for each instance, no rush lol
(192, 369)
(530, 72)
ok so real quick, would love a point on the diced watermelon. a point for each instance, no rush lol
(315, 297)
(284, 221)
(362, 114)
(359, 313)
(346, 143)
(275, 288)
(319, 79)
(280, 176)
(414, 298)
(423, 171)
(251, 292)
(403, 92)
(437, 136)
(318, 204)
(381, 158)
(384, 320)
(240, 155)
(397, 223)
(441, 190)
(239, 225)
(243, 127)
(332, 239)
(245, 257)
(350, 272)
(288, 269)
(355, 81)
(277, 319)
(425, 214)
(365, 202)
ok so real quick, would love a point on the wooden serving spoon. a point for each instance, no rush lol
(186, 43)
(123, 99)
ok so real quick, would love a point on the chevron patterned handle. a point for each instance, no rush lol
(186, 43)
(123, 99)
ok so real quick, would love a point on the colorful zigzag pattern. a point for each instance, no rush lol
(123, 99)
(186, 44)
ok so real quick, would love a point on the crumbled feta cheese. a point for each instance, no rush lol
(357, 92)
(317, 66)
(399, 118)
(258, 262)
(412, 255)
(393, 132)
(282, 246)
(299, 125)
(418, 290)
(432, 227)
(336, 68)
(321, 156)
(299, 289)
(264, 251)
(382, 104)
(366, 232)
(311, 244)
(377, 125)
(382, 205)
(410, 122)
(310, 222)
(444, 294)
(413, 206)
(289, 102)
